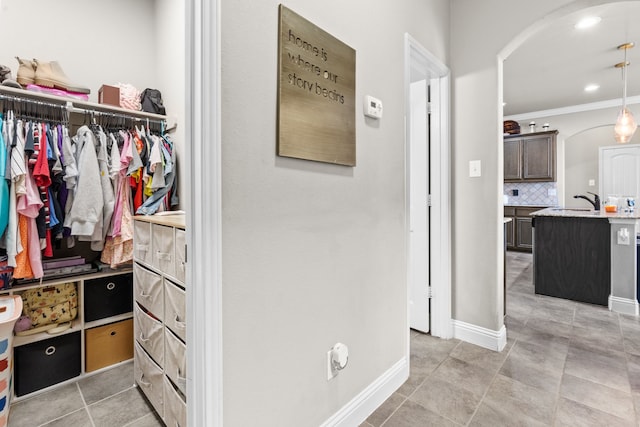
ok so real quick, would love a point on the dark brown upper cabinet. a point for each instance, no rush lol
(530, 157)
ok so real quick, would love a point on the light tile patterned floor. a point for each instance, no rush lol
(565, 364)
(107, 399)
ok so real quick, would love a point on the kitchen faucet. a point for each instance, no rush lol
(595, 202)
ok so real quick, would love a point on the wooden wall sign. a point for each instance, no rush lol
(316, 93)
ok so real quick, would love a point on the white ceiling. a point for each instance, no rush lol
(551, 68)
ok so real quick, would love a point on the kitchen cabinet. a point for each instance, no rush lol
(519, 232)
(509, 231)
(572, 258)
(530, 157)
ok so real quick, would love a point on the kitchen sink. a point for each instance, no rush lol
(574, 209)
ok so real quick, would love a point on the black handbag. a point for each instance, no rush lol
(151, 100)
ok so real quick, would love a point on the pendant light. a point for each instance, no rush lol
(625, 125)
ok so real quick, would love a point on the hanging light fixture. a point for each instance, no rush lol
(625, 125)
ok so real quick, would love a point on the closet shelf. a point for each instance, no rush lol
(72, 105)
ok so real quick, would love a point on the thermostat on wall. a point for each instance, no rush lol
(372, 107)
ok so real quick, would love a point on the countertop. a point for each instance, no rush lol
(170, 219)
(586, 213)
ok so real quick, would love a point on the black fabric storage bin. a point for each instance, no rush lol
(108, 296)
(47, 362)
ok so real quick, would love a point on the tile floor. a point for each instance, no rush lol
(565, 364)
(107, 399)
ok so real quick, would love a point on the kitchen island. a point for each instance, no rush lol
(587, 255)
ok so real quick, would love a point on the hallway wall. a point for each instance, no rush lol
(313, 253)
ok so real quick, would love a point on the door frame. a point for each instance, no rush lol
(419, 58)
(204, 209)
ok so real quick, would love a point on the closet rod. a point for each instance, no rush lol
(108, 114)
(37, 102)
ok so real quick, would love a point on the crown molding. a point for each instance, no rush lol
(601, 105)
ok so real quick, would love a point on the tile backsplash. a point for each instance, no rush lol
(531, 193)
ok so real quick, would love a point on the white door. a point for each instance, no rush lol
(419, 206)
(428, 228)
(620, 171)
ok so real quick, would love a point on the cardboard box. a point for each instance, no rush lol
(109, 95)
(109, 344)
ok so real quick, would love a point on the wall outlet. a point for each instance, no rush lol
(552, 192)
(514, 192)
(337, 359)
(592, 183)
(331, 371)
(623, 237)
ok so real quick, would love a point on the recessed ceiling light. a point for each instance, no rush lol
(591, 88)
(587, 22)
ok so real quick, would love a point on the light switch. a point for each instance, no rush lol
(474, 169)
(592, 183)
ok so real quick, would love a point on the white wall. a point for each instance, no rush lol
(94, 44)
(313, 253)
(169, 53)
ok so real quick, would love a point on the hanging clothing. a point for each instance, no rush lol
(13, 243)
(29, 204)
(41, 165)
(83, 186)
(18, 160)
(22, 269)
(151, 205)
(6, 133)
(118, 249)
(88, 203)
(102, 227)
(126, 157)
(114, 158)
(4, 185)
(156, 164)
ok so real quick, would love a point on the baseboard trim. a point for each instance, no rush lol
(368, 400)
(487, 338)
(624, 305)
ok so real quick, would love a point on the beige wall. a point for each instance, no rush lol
(313, 253)
(480, 31)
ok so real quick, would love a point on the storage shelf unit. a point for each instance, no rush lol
(64, 355)
(106, 310)
(159, 314)
(74, 105)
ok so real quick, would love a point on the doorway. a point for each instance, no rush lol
(419, 209)
(427, 191)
